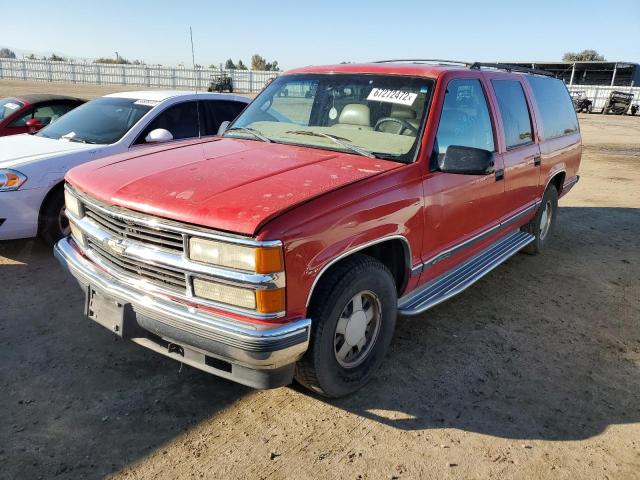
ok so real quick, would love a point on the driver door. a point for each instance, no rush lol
(460, 207)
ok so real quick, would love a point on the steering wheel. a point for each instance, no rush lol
(404, 125)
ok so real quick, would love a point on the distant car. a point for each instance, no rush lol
(30, 113)
(581, 103)
(32, 167)
(618, 103)
(220, 83)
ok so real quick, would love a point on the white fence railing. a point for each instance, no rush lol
(245, 81)
(599, 94)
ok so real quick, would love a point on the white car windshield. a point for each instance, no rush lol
(103, 120)
(373, 115)
(9, 106)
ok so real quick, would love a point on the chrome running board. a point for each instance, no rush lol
(455, 281)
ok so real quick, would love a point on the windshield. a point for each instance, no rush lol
(103, 120)
(9, 106)
(372, 115)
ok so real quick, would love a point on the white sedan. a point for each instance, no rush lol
(32, 167)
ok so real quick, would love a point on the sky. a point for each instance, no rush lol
(299, 33)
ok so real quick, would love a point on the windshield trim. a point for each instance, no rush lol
(380, 155)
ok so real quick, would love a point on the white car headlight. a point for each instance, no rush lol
(11, 180)
(73, 204)
(241, 257)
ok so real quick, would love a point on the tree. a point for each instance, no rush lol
(260, 63)
(241, 66)
(56, 58)
(6, 53)
(583, 56)
(229, 65)
(31, 56)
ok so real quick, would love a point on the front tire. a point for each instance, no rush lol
(53, 222)
(543, 224)
(353, 314)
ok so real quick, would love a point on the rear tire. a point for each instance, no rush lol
(353, 314)
(542, 225)
(53, 223)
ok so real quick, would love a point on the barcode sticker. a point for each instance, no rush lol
(392, 96)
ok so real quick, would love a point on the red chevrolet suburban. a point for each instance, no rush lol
(341, 197)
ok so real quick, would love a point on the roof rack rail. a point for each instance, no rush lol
(425, 60)
(511, 68)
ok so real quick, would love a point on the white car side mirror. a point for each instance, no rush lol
(159, 135)
(223, 127)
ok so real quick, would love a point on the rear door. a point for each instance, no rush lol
(519, 147)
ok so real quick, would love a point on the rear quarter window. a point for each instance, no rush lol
(558, 115)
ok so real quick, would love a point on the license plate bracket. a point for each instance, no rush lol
(105, 310)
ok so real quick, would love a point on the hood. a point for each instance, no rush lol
(18, 150)
(225, 184)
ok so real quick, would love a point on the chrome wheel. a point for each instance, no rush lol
(357, 329)
(545, 219)
(63, 223)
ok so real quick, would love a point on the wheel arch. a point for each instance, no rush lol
(54, 189)
(393, 251)
(557, 179)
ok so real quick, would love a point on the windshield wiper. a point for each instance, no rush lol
(252, 131)
(339, 140)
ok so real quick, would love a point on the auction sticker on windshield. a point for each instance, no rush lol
(392, 96)
(11, 106)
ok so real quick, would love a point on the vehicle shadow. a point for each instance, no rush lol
(78, 402)
(544, 347)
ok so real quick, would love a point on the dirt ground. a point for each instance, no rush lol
(534, 372)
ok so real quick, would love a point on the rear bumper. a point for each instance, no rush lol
(254, 355)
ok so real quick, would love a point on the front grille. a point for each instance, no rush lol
(161, 276)
(136, 232)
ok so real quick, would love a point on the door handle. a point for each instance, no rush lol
(499, 175)
(537, 161)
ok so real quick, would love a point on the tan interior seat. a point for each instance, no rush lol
(356, 116)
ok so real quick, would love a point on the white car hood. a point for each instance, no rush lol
(17, 150)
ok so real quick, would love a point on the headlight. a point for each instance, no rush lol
(73, 204)
(263, 301)
(241, 257)
(11, 180)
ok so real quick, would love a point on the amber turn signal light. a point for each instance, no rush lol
(270, 301)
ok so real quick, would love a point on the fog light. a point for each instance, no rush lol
(77, 234)
(219, 292)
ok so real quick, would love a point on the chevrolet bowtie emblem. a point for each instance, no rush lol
(116, 246)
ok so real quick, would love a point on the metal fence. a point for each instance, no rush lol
(244, 81)
(599, 94)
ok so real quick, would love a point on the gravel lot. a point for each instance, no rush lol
(534, 372)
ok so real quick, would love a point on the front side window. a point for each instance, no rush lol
(372, 115)
(103, 120)
(514, 111)
(557, 111)
(21, 121)
(9, 106)
(218, 111)
(465, 119)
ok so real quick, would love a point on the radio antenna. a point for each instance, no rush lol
(193, 62)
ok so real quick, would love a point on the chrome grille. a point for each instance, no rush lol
(161, 276)
(135, 232)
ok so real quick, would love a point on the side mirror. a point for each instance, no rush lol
(159, 135)
(33, 125)
(223, 127)
(467, 161)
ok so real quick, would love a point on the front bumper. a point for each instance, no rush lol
(255, 355)
(19, 212)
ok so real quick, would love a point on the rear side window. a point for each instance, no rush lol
(465, 117)
(218, 111)
(556, 109)
(514, 112)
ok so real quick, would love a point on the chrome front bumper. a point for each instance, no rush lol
(255, 355)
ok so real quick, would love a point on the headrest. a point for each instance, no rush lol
(355, 114)
(402, 112)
